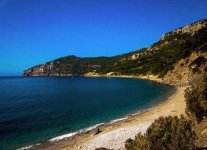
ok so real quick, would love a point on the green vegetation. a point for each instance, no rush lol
(164, 54)
(196, 98)
(167, 133)
(158, 59)
(199, 61)
(176, 133)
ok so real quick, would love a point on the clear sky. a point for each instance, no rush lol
(36, 31)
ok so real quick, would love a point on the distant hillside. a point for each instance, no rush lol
(175, 57)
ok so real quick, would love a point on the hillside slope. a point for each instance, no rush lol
(174, 58)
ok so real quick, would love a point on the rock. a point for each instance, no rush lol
(189, 29)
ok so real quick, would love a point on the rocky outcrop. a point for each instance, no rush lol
(185, 69)
(189, 29)
(45, 70)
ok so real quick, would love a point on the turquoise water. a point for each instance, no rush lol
(36, 109)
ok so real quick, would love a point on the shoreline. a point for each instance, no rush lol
(117, 131)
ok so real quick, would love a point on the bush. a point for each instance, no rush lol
(196, 98)
(140, 142)
(199, 61)
(167, 133)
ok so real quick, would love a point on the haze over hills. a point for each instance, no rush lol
(175, 57)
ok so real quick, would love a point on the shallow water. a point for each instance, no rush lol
(36, 109)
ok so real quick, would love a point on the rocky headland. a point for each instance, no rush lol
(176, 57)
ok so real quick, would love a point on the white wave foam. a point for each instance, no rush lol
(116, 120)
(28, 147)
(63, 136)
(74, 133)
(92, 127)
(58, 138)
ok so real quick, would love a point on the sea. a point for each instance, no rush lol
(34, 110)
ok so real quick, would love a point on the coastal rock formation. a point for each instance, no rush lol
(176, 57)
(189, 29)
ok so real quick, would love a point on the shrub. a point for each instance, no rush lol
(196, 98)
(167, 133)
(140, 142)
(199, 61)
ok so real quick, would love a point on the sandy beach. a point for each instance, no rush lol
(113, 135)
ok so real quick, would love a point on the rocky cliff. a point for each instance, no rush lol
(176, 57)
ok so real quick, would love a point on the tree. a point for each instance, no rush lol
(166, 133)
(139, 143)
(196, 98)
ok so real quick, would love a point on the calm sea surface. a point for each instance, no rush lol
(36, 109)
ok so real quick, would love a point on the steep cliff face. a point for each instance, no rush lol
(175, 57)
(186, 68)
(42, 70)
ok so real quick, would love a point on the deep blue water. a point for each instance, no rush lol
(36, 109)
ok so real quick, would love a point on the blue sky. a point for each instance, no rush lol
(36, 31)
